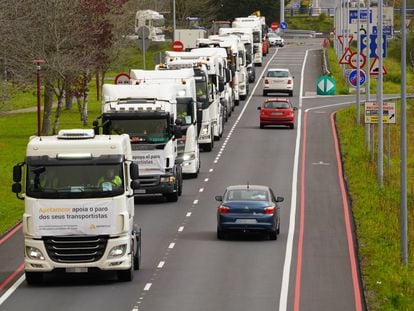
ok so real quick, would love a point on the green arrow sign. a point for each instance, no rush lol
(325, 86)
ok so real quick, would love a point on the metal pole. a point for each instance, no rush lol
(38, 99)
(282, 11)
(143, 50)
(368, 78)
(403, 144)
(358, 100)
(174, 26)
(379, 96)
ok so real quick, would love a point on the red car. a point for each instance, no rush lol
(277, 111)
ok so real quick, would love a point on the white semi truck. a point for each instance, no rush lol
(149, 115)
(74, 221)
(154, 21)
(184, 81)
(211, 116)
(255, 23)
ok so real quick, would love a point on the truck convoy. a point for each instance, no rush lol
(75, 220)
(184, 81)
(154, 21)
(149, 116)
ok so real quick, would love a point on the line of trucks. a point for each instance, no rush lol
(149, 135)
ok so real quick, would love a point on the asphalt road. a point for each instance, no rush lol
(310, 267)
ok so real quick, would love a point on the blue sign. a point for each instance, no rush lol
(373, 46)
(386, 30)
(363, 15)
(283, 25)
(353, 78)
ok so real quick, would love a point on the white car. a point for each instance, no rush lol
(278, 80)
(275, 39)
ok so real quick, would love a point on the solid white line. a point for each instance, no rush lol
(12, 288)
(289, 245)
(147, 286)
(171, 245)
(161, 264)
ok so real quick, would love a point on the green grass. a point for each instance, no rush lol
(388, 284)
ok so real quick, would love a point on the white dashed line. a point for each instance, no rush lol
(171, 245)
(188, 214)
(206, 180)
(195, 202)
(147, 286)
(210, 170)
(161, 264)
(180, 229)
(201, 190)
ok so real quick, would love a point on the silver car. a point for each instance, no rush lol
(278, 80)
(275, 40)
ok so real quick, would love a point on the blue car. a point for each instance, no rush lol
(248, 208)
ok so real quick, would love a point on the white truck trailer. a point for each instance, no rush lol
(189, 37)
(149, 115)
(184, 81)
(154, 21)
(72, 222)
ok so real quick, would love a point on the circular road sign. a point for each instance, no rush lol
(353, 78)
(353, 60)
(143, 32)
(283, 25)
(122, 78)
(177, 46)
(274, 26)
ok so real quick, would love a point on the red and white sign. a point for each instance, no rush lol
(374, 69)
(353, 61)
(346, 57)
(274, 26)
(349, 38)
(325, 43)
(122, 78)
(177, 46)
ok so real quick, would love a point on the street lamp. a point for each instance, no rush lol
(38, 61)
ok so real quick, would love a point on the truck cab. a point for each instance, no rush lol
(75, 220)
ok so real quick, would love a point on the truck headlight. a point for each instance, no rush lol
(168, 179)
(204, 130)
(34, 253)
(117, 251)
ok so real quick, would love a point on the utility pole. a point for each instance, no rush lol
(380, 98)
(38, 61)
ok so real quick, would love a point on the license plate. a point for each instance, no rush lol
(276, 113)
(77, 270)
(246, 221)
(141, 191)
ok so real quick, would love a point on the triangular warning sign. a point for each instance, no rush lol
(349, 38)
(374, 68)
(346, 57)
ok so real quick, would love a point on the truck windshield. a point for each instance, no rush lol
(143, 130)
(185, 112)
(74, 181)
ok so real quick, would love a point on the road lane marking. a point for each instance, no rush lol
(195, 202)
(147, 286)
(161, 264)
(171, 246)
(188, 214)
(12, 289)
(180, 229)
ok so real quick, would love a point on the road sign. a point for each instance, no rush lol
(353, 61)
(373, 46)
(349, 38)
(353, 78)
(386, 30)
(374, 68)
(122, 78)
(388, 112)
(143, 44)
(325, 86)
(143, 32)
(283, 25)
(178, 46)
(363, 16)
(274, 26)
(345, 57)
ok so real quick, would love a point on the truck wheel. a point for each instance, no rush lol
(126, 275)
(33, 278)
(180, 182)
(137, 252)
(236, 102)
(172, 197)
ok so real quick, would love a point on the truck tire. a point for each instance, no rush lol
(34, 278)
(180, 181)
(126, 275)
(137, 250)
(171, 197)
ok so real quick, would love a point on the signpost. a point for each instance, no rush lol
(325, 86)
(143, 41)
(346, 57)
(178, 46)
(122, 78)
(353, 78)
(283, 25)
(353, 61)
(274, 26)
(371, 112)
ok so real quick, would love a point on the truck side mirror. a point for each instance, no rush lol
(95, 125)
(228, 75)
(135, 184)
(17, 189)
(17, 173)
(134, 170)
(178, 132)
(221, 84)
(219, 198)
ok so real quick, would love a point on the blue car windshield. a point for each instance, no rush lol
(247, 195)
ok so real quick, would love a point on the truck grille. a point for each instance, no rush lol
(76, 249)
(149, 181)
